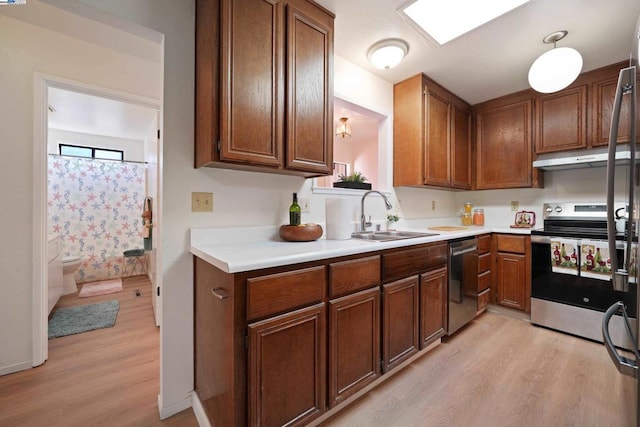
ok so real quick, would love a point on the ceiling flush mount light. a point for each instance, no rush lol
(387, 53)
(442, 21)
(343, 129)
(557, 68)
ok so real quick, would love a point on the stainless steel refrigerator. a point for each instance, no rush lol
(625, 271)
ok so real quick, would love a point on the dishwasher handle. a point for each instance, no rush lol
(463, 251)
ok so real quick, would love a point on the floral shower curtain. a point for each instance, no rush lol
(96, 207)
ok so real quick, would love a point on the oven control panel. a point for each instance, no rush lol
(578, 210)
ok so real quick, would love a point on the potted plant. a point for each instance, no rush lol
(353, 180)
(392, 219)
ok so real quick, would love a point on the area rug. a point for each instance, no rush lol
(83, 318)
(101, 287)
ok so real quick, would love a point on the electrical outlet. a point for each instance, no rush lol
(201, 202)
(305, 204)
(514, 205)
(433, 205)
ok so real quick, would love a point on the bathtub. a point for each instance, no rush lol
(54, 271)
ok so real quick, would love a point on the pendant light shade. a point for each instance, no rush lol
(555, 69)
(343, 129)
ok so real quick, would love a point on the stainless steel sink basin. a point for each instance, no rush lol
(385, 236)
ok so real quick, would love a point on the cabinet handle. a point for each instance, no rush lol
(220, 293)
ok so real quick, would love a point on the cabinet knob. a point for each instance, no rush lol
(220, 293)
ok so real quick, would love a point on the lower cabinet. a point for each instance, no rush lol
(513, 271)
(354, 343)
(400, 321)
(511, 277)
(287, 359)
(433, 306)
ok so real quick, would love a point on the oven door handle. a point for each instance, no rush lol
(626, 85)
(624, 365)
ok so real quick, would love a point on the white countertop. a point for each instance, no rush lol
(235, 250)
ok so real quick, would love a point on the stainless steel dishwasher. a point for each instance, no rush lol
(463, 279)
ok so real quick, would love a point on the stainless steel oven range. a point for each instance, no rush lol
(571, 284)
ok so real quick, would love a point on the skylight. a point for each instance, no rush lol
(444, 20)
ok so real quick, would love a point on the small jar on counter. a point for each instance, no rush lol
(466, 219)
(478, 216)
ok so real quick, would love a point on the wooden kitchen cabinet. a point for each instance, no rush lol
(264, 86)
(513, 271)
(431, 133)
(603, 91)
(561, 120)
(400, 321)
(354, 343)
(433, 306)
(283, 345)
(287, 362)
(504, 146)
(483, 288)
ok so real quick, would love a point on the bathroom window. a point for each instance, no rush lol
(90, 152)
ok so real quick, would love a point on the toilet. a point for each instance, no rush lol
(70, 265)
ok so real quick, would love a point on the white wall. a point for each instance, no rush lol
(133, 149)
(25, 49)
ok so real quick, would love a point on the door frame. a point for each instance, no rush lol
(41, 84)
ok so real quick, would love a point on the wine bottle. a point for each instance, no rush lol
(294, 211)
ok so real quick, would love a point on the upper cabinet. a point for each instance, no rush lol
(264, 88)
(431, 136)
(561, 120)
(504, 147)
(579, 116)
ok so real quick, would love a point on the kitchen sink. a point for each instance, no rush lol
(385, 236)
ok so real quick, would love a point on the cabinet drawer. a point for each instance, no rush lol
(508, 243)
(484, 263)
(276, 293)
(483, 300)
(484, 281)
(347, 277)
(484, 243)
(403, 263)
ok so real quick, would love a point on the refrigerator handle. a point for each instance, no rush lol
(626, 85)
(624, 365)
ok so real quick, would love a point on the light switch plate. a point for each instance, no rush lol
(305, 204)
(514, 205)
(201, 202)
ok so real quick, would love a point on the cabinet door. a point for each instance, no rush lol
(504, 148)
(433, 306)
(561, 120)
(252, 93)
(400, 321)
(354, 343)
(603, 94)
(511, 280)
(437, 136)
(460, 148)
(309, 88)
(287, 359)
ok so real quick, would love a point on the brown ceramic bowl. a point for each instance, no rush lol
(301, 233)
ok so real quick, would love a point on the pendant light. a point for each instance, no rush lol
(343, 129)
(557, 68)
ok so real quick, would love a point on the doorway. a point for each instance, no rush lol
(69, 113)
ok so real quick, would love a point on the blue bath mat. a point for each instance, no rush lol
(83, 318)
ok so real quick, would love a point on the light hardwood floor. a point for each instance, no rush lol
(107, 377)
(498, 371)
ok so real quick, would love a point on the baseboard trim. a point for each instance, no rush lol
(174, 408)
(198, 410)
(6, 370)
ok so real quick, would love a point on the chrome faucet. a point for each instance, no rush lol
(363, 220)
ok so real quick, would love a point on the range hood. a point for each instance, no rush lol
(595, 157)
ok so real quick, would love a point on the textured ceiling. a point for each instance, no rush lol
(494, 59)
